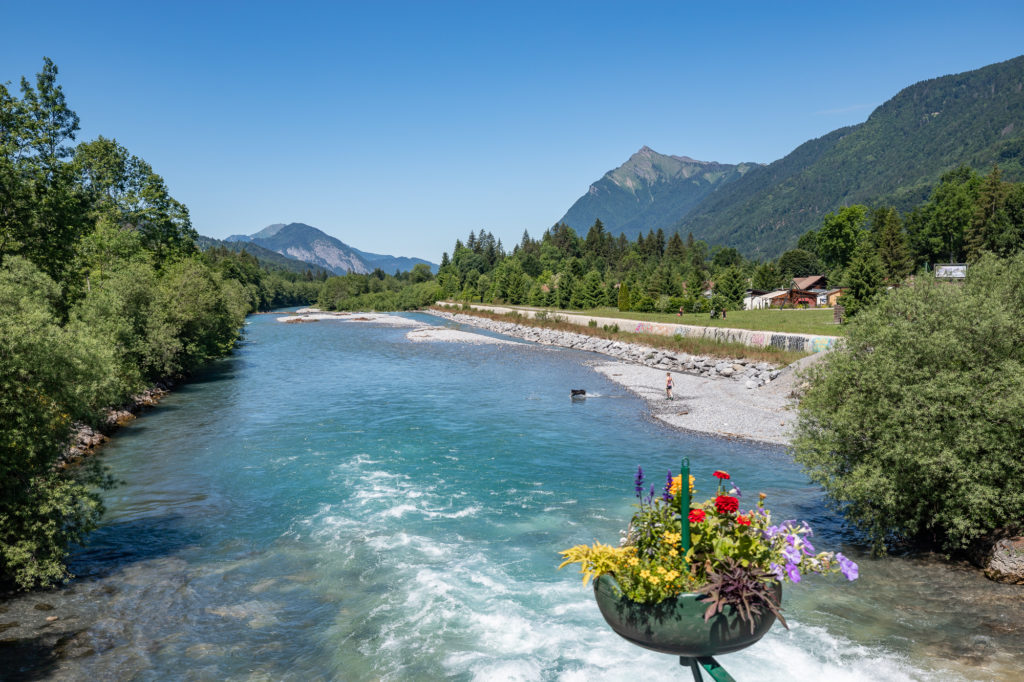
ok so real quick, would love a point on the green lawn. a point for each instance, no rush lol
(795, 321)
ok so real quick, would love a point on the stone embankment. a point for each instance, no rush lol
(85, 439)
(807, 343)
(750, 373)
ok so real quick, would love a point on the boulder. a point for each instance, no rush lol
(1006, 563)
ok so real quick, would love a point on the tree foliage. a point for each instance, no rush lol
(102, 291)
(913, 427)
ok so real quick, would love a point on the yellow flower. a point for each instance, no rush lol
(645, 573)
(673, 552)
(633, 561)
(677, 485)
(654, 580)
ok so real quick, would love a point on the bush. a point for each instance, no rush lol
(49, 377)
(914, 426)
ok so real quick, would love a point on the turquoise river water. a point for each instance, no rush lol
(335, 502)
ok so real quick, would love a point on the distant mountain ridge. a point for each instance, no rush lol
(266, 256)
(314, 246)
(893, 158)
(649, 191)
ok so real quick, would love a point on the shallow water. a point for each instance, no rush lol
(336, 502)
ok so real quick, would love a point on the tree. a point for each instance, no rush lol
(624, 300)
(991, 228)
(767, 277)
(891, 244)
(798, 263)
(864, 280)
(48, 377)
(840, 234)
(591, 290)
(125, 189)
(937, 230)
(726, 257)
(731, 285)
(913, 425)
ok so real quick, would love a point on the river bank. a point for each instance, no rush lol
(726, 398)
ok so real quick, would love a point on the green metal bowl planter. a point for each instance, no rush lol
(677, 626)
(699, 580)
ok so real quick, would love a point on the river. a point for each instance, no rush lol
(336, 502)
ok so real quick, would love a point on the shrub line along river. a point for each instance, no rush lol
(337, 502)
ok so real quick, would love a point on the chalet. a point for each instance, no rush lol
(763, 299)
(795, 298)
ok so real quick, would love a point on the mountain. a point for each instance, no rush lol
(650, 191)
(311, 245)
(893, 158)
(266, 256)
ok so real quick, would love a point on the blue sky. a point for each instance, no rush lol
(399, 126)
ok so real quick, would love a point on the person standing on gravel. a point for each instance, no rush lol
(668, 385)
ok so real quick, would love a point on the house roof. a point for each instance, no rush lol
(807, 282)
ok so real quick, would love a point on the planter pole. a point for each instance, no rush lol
(684, 507)
(716, 671)
(708, 663)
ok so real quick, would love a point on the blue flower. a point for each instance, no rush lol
(791, 554)
(639, 481)
(848, 568)
(794, 572)
(777, 570)
(666, 495)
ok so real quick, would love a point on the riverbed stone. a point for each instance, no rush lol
(1006, 563)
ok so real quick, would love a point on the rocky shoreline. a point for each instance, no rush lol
(751, 374)
(85, 440)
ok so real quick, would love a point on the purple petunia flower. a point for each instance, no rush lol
(735, 490)
(807, 548)
(777, 570)
(794, 572)
(848, 568)
(791, 554)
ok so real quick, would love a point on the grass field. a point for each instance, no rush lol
(816, 321)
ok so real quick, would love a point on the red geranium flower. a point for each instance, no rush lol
(721, 475)
(696, 516)
(743, 520)
(726, 505)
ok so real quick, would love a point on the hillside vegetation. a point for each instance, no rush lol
(893, 158)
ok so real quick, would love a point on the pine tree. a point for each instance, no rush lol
(624, 300)
(591, 290)
(891, 243)
(676, 250)
(990, 228)
(864, 280)
(731, 285)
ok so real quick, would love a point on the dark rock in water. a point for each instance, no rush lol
(577, 391)
(1006, 563)
(43, 606)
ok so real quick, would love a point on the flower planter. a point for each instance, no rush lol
(676, 625)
